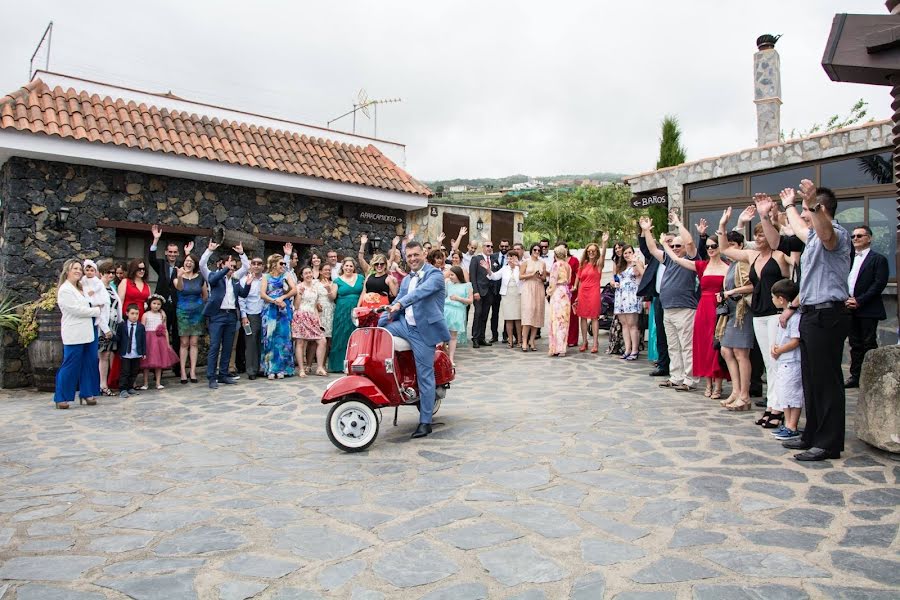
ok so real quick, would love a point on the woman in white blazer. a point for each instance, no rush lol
(510, 300)
(80, 367)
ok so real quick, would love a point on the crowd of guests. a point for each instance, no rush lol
(721, 309)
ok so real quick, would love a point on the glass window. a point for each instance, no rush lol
(730, 189)
(712, 216)
(873, 169)
(851, 212)
(883, 222)
(131, 245)
(772, 183)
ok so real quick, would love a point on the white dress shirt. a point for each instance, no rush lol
(413, 280)
(858, 260)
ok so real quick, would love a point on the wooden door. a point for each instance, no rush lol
(502, 227)
(451, 226)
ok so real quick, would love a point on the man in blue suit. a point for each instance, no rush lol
(222, 311)
(420, 308)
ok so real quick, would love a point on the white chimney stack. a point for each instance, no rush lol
(767, 90)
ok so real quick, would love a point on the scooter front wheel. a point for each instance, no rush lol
(352, 425)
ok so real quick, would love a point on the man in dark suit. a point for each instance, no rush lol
(498, 259)
(649, 288)
(480, 267)
(222, 311)
(166, 272)
(868, 278)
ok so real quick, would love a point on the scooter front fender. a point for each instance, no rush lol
(354, 385)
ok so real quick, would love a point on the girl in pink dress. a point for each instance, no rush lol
(159, 351)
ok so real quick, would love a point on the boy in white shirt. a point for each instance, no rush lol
(786, 352)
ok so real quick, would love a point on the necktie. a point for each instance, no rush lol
(487, 260)
(130, 337)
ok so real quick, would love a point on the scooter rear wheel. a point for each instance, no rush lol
(437, 406)
(352, 425)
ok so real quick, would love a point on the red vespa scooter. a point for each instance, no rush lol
(380, 373)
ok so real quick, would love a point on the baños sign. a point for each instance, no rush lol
(652, 198)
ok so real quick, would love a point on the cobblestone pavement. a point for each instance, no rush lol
(546, 478)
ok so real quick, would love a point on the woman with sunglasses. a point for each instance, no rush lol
(277, 289)
(379, 282)
(192, 294)
(712, 274)
(587, 290)
(532, 273)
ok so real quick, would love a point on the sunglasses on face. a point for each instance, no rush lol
(141, 269)
(857, 236)
(676, 245)
(380, 264)
(712, 246)
(282, 263)
(535, 249)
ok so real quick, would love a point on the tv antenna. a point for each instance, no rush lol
(362, 104)
(47, 37)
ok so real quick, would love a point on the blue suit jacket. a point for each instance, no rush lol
(427, 301)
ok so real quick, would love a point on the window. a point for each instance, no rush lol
(883, 222)
(851, 212)
(131, 245)
(772, 183)
(712, 216)
(862, 171)
(730, 189)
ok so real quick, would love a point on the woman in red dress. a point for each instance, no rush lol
(712, 277)
(587, 287)
(134, 289)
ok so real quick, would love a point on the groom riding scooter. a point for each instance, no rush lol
(421, 302)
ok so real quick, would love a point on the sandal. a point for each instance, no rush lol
(774, 421)
(594, 349)
(708, 391)
(716, 395)
(668, 384)
(323, 373)
(582, 348)
(727, 401)
(765, 417)
(740, 405)
(107, 392)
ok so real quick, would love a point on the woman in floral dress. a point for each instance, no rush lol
(627, 306)
(560, 302)
(306, 328)
(276, 290)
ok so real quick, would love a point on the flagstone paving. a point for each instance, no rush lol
(544, 478)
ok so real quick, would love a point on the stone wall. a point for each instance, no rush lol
(33, 248)
(872, 136)
(429, 227)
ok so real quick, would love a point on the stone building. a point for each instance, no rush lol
(483, 223)
(86, 168)
(855, 162)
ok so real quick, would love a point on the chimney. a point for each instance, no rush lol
(767, 90)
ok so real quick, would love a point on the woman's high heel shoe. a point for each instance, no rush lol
(594, 349)
(740, 405)
(582, 348)
(88, 401)
(62, 405)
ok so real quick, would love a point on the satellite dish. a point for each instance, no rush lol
(362, 100)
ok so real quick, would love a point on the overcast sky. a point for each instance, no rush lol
(489, 88)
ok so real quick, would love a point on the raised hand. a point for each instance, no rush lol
(363, 240)
(395, 241)
(188, 248)
(411, 234)
(645, 223)
(463, 231)
(441, 238)
(212, 246)
(702, 226)
(746, 215)
(763, 204)
(808, 191)
(287, 249)
(182, 272)
(156, 230)
(787, 196)
(662, 239)
(726, 216)
(240, 248)
(605, 237)
(674, 219)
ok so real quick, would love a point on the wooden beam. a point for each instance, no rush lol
(176, 229)
(272, 237)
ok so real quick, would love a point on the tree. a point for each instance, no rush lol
(671, 153)
(858, 112)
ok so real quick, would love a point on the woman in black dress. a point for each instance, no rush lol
(379, 282)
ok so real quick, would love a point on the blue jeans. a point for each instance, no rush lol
(424, 356)
(80, 368)
(221, 327)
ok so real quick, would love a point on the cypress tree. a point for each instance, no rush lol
(671, 153)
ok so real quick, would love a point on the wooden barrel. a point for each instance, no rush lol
(230, 238)
(46, 352)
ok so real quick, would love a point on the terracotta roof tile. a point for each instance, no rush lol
(35, 108)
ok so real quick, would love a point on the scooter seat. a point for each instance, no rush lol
(401, 345)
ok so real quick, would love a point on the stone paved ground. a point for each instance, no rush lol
(547, 478)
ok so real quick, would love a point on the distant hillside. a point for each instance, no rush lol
(502, 182)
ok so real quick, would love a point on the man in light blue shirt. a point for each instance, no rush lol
(251, 309)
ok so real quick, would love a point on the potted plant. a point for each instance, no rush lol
(39, 333)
